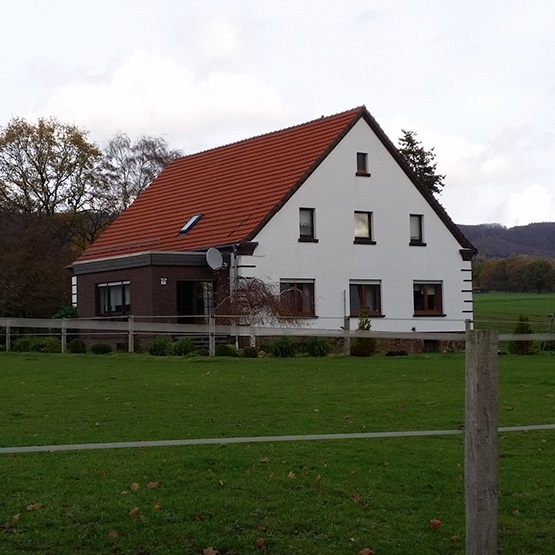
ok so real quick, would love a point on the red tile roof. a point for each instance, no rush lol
(236, 188)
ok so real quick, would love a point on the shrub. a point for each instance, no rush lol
(283, 347)
(203, 352)
(22, 344)
(318, 346)
(161, 346)
(101, 349)
(522, 347)
(46, 345)
(226, 351)
(77, 346)
(250, 352)
(364, 346)
(183, 346)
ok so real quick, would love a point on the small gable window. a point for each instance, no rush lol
(188, 226)
(362, 164)
(306, 225)
(417, 230)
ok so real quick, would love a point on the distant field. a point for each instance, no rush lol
(306, 498)
(500, 311)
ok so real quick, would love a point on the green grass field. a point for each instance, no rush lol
(500, 311)
(313, 497)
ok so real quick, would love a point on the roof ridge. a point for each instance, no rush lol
(275, 132)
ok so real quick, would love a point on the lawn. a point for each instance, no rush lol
(501, 311)
(313, 497)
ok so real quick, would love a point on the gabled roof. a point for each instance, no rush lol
(236, 188)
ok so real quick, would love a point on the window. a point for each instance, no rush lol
(363, 228)
(114, 298)
(427, 299)
(416, 230)
(365, 295)
(362, 164)
(298, 296)
(195, 298)
(192, 221)
(306, 225)
(74, 291)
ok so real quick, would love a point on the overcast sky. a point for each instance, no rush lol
(474, 78)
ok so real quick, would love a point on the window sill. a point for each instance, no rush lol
(429, 315)
(364, 241)
(417, 244)
(363, 174)
(307, 240)
(369, 314)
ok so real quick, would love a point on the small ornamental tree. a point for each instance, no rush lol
(522, 347)
(364, 346)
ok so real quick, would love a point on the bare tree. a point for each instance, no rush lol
(129, 167)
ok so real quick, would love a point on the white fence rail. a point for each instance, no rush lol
(132, 327)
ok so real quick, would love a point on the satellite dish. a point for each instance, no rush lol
(214, 259)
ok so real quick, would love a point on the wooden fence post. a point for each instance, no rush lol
(64, 335)
(131, 335)
(481, 442)
(212, 335)
(346, 336)
(8, 337)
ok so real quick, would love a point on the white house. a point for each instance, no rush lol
(328, 209)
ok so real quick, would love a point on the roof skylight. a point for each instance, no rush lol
(192, 221)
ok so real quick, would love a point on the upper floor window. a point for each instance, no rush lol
(428, 298)
(417, 229)
(362, 164)
(298, 296)
(363, 228)
(365, 295)
(114, 298)
(306, 225)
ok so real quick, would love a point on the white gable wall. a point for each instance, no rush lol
(335, 192)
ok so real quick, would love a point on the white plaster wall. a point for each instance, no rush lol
(335, 192)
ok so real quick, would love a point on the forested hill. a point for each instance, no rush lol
(495, 240)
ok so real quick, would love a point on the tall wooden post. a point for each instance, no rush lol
(481, 442)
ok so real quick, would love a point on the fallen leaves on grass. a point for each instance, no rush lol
(34, 507)
(291, 475)
(134, 486)
(264, 460)
(113, 534)
(435, 524)
(157, 507)
(210, 551)
(261, 543)
(153, 485)
(366, 551)
(134, 511)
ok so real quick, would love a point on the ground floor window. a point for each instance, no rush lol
(427, 298)
(298, 295)
(113, 298)
(195, 298)
(365, 295)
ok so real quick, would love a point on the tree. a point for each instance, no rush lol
(522, 347)
(540, 275)
(34, 281)
(127, 168)
(46, 167)
(421, 161)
